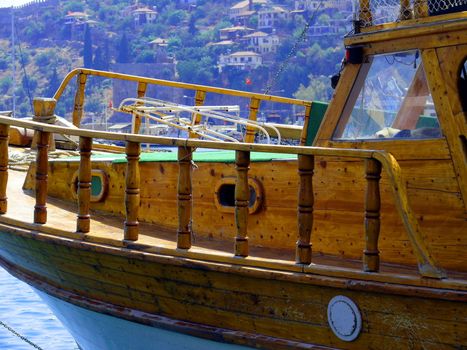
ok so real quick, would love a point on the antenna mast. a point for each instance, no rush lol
(13, 57)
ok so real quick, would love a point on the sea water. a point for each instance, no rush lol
(22, 310)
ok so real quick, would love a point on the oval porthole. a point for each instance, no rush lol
(99, 185)
(225, 195)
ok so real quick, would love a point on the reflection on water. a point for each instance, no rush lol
(22, 310)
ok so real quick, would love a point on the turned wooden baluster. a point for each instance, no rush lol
(200, 96)
(4, 129)
(44, 109)
(137, 118)
(242, 199)
(306, 124)
(132, 197)
(365, 16)
(372, 215)
(79, 99)
(42, 164)
(420, 8)
(184, 198)
(306, 164)
(254, 107)
(84, 185)
(405, 10)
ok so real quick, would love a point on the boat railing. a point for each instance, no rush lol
(375, 162)
(255, 101)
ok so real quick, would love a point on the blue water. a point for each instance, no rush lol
(22, 310)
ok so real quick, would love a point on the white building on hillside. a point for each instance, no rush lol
(241, 59)
(263, 43)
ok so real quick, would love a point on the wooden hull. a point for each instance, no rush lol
(256, 307)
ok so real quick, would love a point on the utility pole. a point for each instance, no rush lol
(13, 57)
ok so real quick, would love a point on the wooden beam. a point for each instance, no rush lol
(372, 215)
(132, 191)
(4, 131)
(42, 165)
(184, 198)
(414, 102)
(452, 125)
(242, 199)
(79, 99)
(84, 185)
(306, 166)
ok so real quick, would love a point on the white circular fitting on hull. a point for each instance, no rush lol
(344, 318)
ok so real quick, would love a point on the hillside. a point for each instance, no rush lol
(186, 40)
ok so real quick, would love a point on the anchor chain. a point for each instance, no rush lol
(22, 337)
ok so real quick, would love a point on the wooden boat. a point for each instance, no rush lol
(355, 239)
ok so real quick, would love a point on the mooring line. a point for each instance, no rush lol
(20, 336)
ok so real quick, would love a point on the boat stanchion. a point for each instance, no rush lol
(200, 96)
(254, 108)
(242, 200)
(79, 99)
(4, 130)
(42, 165)
(84, 185)
(306, 164)
(372, 215)
(184, 197)
(141, 92)
(132, 191)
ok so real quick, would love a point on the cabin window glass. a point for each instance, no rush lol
(392, 101)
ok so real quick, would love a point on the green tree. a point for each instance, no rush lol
(87, 51)
(123, 55)
(52, 84)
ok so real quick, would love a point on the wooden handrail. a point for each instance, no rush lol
(153, 81)
(426, 263)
